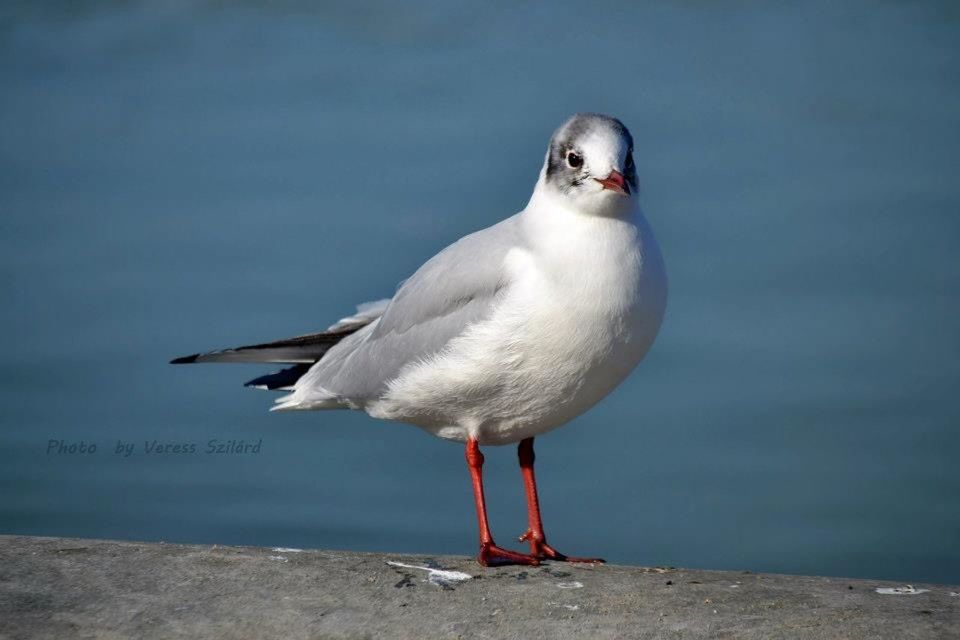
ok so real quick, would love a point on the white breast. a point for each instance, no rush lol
(585, 303)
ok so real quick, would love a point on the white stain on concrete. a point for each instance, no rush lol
(439, 577)
(278, 558)
(908, 590)
(570, 585)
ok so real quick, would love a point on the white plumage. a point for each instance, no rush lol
(513, 330)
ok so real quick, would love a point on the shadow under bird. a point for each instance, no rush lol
(507, 333)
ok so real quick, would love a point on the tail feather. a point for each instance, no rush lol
(316, 398)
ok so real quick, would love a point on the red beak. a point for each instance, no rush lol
(616, 183)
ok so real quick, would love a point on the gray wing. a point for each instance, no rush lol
(455, 288)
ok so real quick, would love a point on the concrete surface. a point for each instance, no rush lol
(67, 588)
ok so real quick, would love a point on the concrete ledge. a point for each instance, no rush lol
(68, 588)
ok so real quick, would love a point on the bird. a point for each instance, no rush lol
(507, 333)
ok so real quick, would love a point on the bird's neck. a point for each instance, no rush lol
(548, 198)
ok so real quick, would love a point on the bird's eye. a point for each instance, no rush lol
(574, 159)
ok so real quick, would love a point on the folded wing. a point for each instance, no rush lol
(457, 287)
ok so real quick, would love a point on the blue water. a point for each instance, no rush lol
(175, 178)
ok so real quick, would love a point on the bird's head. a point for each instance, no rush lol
(590, 163)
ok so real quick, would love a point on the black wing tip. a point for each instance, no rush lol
(185, 359)
(280, 379)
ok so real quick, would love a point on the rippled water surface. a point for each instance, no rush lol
(176, 177)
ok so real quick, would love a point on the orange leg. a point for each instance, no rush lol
(534, 534)
(490, 553)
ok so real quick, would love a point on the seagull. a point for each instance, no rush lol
(507, 333)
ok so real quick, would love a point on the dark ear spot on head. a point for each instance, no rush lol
(555, 159)
(630, 169)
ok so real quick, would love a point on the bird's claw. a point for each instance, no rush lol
(543, 551)
(492, 555)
